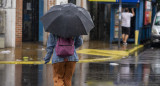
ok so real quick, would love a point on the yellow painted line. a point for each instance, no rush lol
(103, 0)
(80, 61)
(135, 48)
(98, 54)
(21, 62)
(100, 59)
(110, 58)
(109, 52)
(103, 52)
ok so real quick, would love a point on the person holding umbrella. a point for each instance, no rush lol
(63, 68)
(66, 21)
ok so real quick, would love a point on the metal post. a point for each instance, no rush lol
(119, 32)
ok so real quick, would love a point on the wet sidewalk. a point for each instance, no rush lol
(97, 66)
(93, 51)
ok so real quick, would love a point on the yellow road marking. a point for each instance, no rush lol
(135, 48)
(100, 59)
(109, 53)
(103, 52)
(80, 61)
(21, 62)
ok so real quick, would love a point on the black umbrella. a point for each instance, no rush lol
(67, 20)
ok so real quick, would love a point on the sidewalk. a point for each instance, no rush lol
(93, 51)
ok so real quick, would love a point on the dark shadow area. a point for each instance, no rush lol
(30, 20)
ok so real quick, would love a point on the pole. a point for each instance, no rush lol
(120, 18)
(136, 37)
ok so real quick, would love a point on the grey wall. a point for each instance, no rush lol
(9, 7)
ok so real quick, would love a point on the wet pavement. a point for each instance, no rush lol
(141, 68)
(36, 52)
(86, 74)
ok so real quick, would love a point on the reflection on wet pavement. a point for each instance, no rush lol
(28, 52)
(141, 69)
(86, 74)
(36, 52)
(103, 45)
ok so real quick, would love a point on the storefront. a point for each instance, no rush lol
(33, 10)
(23, 16)
(32, 27)
(140, 23)
(114, 29)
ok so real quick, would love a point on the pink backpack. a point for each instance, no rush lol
(64, 47)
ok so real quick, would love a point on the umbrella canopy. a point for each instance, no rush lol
(67, 20)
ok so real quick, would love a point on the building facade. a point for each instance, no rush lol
(21, 20)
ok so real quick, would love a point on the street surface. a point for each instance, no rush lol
(142, 68)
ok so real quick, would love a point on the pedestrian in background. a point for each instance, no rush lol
(126, 24)
(63, 68)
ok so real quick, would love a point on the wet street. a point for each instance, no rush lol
(142, 68)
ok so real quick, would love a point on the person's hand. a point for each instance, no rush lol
(132, 9)
(45, 61)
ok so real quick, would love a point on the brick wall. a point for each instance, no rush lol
(19, 11)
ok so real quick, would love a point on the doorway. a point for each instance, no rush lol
(133, 25)
(114, 29)
(100, 14)
(30, 31)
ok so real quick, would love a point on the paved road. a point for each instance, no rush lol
(140, 69)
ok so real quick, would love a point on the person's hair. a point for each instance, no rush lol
(126, 10)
